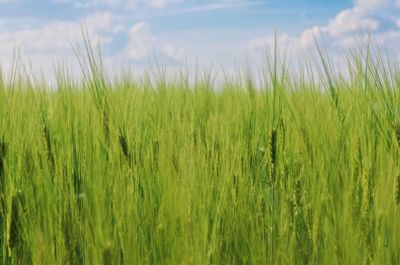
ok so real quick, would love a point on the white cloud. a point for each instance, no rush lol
(286, 41)
(372, 4)
(390, 37)
(308, 36)
(117, 4)
(43, 46)
(350, 20)
(293, 43)
(118, 28)
(173, 52)
(53, 40)
(293, 46)
(142, 43)
(226, 4)
(58, 35)
(163, 3)
(341, 32)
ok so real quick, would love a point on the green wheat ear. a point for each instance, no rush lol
(124, 146)
(3, 150)
(273, 146)
(396, 127)
(273, 152)
(397, 190)
(17, 209)
(107, 255)
(298, 192)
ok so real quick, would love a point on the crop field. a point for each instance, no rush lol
(302, 168)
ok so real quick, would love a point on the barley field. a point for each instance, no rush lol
(302, 168)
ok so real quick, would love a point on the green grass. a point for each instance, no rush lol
(301, 170)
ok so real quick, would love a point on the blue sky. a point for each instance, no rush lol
(219, 33)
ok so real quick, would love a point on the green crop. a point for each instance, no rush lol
(299, 169)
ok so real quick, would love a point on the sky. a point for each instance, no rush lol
(218, 34)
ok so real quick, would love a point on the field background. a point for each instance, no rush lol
(301, 169)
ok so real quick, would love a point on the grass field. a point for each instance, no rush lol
(301, 169)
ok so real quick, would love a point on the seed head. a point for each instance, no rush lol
(273, 147)
(3, 150)
(397, 132)
(397, 192)
(297, 190)
(17, 209)
(124, 146)
(107, 255)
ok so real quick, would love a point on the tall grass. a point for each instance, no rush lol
(296, 171)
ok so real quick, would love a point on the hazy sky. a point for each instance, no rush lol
(216, 33)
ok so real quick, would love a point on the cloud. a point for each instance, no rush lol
(293, 47)
(296, 44)
(171, 51)
(226, 4)
(342, 30)
(117, 4)
(350, 20)
(388, 38)
(372, 4)
(286, 41)
(143, 43)
(42, 46)
(308, 36)
(118, 28)
(57, 35)
(127, 41)
(163, 3)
